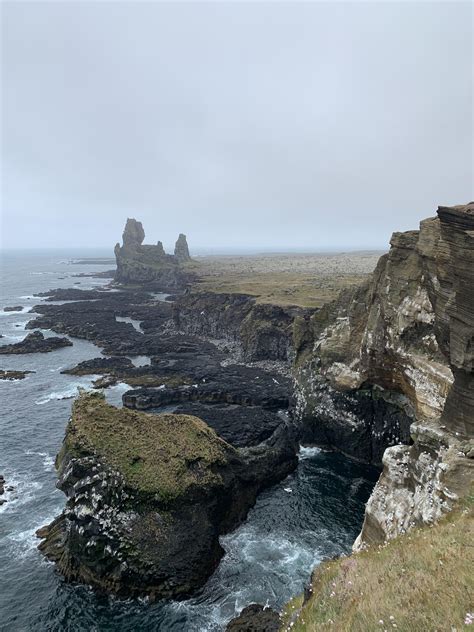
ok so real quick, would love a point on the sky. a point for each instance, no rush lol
(307, 126)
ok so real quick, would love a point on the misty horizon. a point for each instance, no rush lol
(331, 128)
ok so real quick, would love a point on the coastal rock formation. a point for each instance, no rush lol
(255, 618)
(181, 250)
(13, 375)
(394, 353)
(148, 497)
(377, 343)
(422, 481)
(261, 331)
(13, 308)
(142, 264)
(36, 343)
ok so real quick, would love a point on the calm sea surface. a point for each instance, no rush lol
(313, 514)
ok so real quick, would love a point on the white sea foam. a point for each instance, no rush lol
(68, 393)
(307, 452)
(48, 460)
(24, 490)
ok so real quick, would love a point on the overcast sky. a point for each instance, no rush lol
(244, 125)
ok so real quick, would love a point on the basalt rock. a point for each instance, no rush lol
(262, 331)
(148, 497)
(36, 343)
(255, 618)
(13, 308)
(149, 265)
(13, 375)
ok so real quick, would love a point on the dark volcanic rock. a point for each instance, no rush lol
(148, 265)
(36, 343)
(264, 332)
(240, 426)
(15, 308)
(116, 364)
(255, 618)
(13, 375)
(143, 517)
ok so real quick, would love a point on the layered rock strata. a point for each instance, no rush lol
(421, 482)
(148, 497)
(391, 363)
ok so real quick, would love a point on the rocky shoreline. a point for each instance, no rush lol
(372, 374)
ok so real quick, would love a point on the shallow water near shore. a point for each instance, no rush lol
(313, 514)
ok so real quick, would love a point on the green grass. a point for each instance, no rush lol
(158, 454)
(420, 582)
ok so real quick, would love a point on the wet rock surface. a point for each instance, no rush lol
(36, 343)
(13, 308)
(13, 375)
(255, 618)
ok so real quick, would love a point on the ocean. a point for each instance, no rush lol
(315, 513)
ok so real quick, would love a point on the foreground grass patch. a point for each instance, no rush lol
(420, 582)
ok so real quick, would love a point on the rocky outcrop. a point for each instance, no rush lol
(13, 375)
(36, 343)
(255, 618)
(421, 482)
(142, 264)
(13, 308)
(148, 497)
(261, 331)
(381, 340)
(181, 250)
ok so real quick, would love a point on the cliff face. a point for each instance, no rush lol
(142, 264)
(420, 482)
(404, 340)
(149, 495)
(261, 331)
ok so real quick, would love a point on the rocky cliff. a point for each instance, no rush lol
(148, 497)
(261, 331)
(148, 265)
(391, 363)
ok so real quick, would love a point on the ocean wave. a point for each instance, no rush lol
(48, 460)
(67, 393)
(24, 490)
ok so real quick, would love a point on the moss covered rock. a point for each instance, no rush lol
(148, 497)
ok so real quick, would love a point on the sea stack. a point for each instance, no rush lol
(181, 250)
(149, 265)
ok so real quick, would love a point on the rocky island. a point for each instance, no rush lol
(383, 373)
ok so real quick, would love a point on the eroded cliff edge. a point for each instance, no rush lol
(391, 363)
